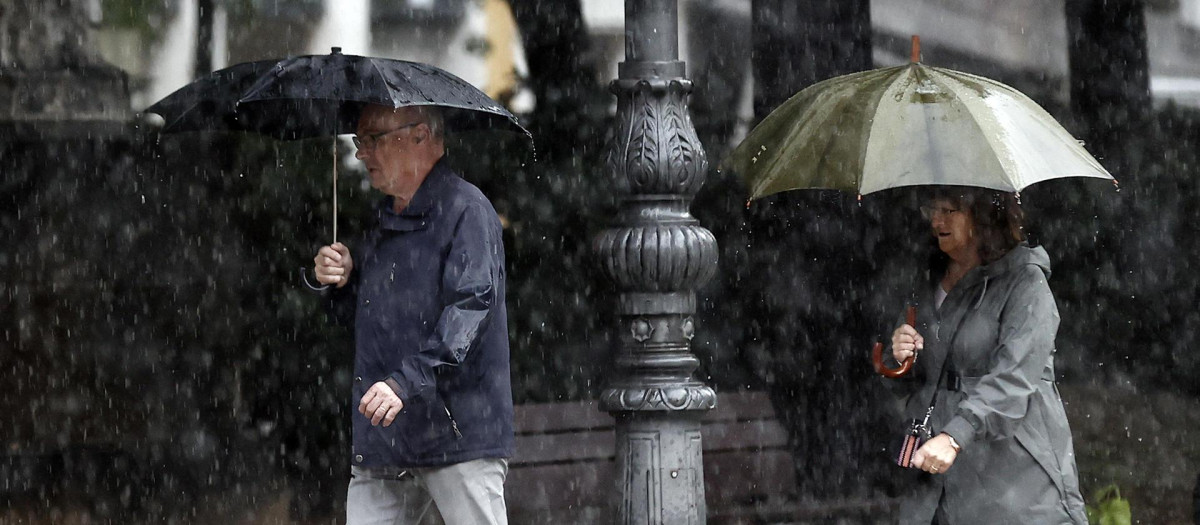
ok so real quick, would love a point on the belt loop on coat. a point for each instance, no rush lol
(953, 381)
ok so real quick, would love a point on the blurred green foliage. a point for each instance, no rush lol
(143, 16)
(1109, 508)
(147, 17)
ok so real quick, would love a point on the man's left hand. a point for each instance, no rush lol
(380, 404)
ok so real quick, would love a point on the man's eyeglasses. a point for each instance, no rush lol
(929, 212)
(370, 140)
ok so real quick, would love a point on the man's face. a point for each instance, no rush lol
(387, 139)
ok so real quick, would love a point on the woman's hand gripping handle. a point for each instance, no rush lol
(906, 342)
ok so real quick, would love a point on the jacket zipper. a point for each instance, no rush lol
(453, 424)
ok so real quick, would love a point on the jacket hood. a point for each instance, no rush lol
(1021, 255)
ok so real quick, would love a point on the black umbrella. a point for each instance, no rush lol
(323, 95)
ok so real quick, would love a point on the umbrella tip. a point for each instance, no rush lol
(916, 49)
(335, 50)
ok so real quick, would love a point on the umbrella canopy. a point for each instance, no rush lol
(322, 95)
(906, 126)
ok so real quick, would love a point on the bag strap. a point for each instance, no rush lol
(945, 364)
(937, 385)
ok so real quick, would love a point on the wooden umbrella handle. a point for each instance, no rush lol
(877, 352)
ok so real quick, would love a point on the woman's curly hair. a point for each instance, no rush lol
(998, 217)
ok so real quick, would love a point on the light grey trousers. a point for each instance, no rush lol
(465, 493)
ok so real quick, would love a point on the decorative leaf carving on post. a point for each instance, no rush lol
(659, 149)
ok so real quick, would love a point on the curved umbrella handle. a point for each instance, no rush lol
(877, 352)
(311, 286)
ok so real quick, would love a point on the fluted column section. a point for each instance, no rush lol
(657, 255)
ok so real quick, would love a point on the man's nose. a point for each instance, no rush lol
(360, 153)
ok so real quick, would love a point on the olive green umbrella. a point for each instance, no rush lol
(908, 125)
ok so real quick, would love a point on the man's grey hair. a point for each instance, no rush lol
(432, 116)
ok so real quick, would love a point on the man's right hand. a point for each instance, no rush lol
(333, 264)
(906, 342)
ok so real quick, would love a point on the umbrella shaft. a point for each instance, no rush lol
(335, 199)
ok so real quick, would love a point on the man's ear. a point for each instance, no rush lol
(422, 133)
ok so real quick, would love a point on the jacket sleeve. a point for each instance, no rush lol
(340, 303)
(996, 406)
(470, 279)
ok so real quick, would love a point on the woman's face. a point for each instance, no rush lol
(953, 227)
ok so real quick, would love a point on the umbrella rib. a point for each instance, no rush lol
(387, 85)
(997, 147)
(876, 102)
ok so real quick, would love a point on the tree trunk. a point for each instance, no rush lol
(554, 205)
(800, 43)
(1109, 68)
(204, 38)
(569, 116)
(811, 249)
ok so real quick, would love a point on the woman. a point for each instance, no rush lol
(1001, 449)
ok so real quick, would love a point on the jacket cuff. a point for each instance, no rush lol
(961, 430)
(393, 382)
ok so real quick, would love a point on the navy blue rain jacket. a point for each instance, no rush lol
(426, 297)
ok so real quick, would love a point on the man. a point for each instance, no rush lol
(425, 290)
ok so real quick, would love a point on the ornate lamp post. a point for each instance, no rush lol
(657, 255)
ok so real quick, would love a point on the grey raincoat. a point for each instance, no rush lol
(998, 400)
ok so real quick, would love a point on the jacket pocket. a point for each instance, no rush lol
(1034, 437)
(426, 426)
(373, 444)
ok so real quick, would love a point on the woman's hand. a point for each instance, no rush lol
(906, 342)
(936, 455)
